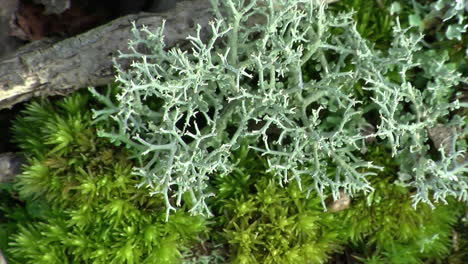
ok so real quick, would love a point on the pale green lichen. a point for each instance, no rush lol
(183, 113)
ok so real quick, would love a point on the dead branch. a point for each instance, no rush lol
(45, 68)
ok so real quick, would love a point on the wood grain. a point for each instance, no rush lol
(49, 68)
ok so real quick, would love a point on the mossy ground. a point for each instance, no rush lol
(77, 201)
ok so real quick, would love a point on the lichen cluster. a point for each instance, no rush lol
(248, 140)
(185, 112)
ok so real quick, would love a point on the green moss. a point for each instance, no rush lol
(459, 254)
(15, 212)
(265, 223)
(373, 19)
(98, 215)
(383, 226)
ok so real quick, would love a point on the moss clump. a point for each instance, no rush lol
(15, 212)
(383, 227)
(98, 214)
(263, 222)
(374, 21)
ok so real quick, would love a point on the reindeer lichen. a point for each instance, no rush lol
(182, 113)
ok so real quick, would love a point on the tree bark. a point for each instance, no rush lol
(10, 166)
(45, 68)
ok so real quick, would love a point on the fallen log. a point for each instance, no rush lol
(10, 166)
(46, 68)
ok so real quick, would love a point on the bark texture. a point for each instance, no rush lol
(10, 166)
(46, 68)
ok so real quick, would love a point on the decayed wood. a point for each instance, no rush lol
(46, 68)
(10, 166)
